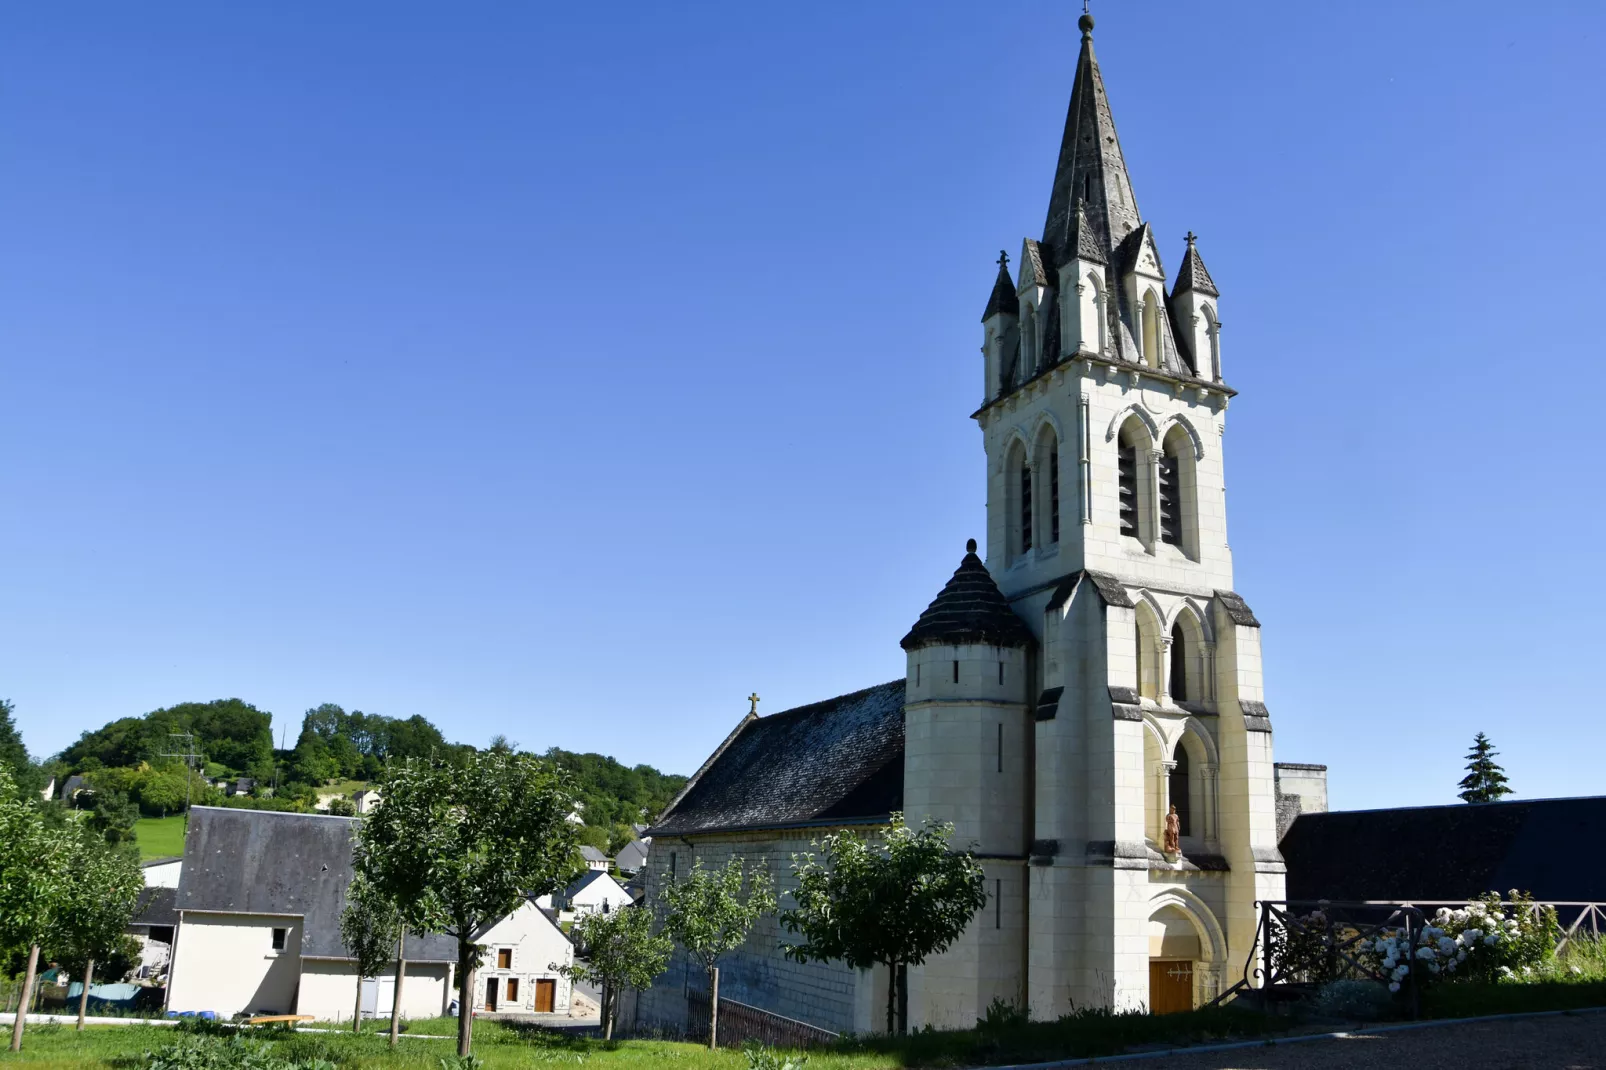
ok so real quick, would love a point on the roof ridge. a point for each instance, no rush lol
(837, 699)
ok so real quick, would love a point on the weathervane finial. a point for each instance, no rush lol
(1003, 259)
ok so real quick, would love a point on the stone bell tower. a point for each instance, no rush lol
(1103, 418)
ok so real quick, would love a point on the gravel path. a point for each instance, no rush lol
(1563, 1042)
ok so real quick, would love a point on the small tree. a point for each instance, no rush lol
(622, 952)
(893, 903)
(95, 902)
(33, 881)
(706, 914)
(456, 847)
(1485, 781)
(370, 927)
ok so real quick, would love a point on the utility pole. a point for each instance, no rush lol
(190, 756)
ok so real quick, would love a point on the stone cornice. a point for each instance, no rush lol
(1083, 363)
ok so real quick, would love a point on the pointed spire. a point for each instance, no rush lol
(1193, 276)
(1003, 298)
(1091, 167)
(969, 609)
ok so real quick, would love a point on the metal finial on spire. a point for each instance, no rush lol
(1086, 21)
(1192, 237)
(1003, 259)
(970, 546)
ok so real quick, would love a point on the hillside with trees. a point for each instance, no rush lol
(130, 768)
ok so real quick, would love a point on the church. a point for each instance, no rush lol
(1084, 704)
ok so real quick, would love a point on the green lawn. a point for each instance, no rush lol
(160, 837)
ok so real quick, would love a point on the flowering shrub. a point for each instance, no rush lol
(1486, 940)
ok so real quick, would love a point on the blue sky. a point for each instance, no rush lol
(569, 372)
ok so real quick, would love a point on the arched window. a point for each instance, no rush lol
(1179, 664)
(1170, 494)
(1178, 488)
(1178, 790)
(1046, 461)
(1213, 337)
(1151, 330)
(1025, 506)
(1128, 478)
(1028, 341)
(1148, 651)
(1096, 338)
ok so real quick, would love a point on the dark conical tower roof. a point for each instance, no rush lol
(1194, 275)
(970, 609)
(1004, 298)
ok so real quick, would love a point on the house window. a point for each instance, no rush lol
(512, 990)
(280, 938)
(1128, 473)
(504, 960)
(1025, 507)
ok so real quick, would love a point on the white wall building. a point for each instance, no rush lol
(1061, 696)
(258, 910)
(162, 872)
(519, 973)
(593, 892)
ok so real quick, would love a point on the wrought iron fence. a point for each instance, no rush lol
(740, 1024)
(1302, 943)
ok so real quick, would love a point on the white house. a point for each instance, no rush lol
(594, 858)
(258, 923)
(366, 799)
(593, 892)
(154, 921)
(519, 973)
(162, 872)
(632, 856)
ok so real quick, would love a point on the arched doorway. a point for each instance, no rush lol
(1186, 954)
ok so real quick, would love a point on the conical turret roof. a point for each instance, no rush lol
(970, 609)
(1004, 298)
(1193, 276)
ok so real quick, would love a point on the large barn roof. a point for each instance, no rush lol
(1542, 846)
(835, 762)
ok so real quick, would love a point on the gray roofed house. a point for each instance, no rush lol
(594, 858)
(632, 856)
(259, 901)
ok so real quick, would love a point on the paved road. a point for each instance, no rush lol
(1565, 1042)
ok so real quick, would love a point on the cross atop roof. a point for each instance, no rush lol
(753, 698)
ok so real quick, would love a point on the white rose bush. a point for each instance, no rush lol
(1489, 939)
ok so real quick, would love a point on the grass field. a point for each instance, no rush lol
(160, 837)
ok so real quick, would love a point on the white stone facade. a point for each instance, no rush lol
(1057, 757)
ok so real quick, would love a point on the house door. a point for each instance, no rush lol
(1170, 986)
(490, 993)
(546, 996)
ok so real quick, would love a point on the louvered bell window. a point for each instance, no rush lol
(1170, 500)
(1025, 508)
(1129, 491)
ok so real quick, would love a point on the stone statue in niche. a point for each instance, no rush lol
(1173, 832)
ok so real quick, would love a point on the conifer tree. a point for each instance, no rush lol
(1485, 781)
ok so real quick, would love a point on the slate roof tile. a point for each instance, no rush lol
(969, 609)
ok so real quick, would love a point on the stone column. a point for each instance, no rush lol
(1162, 686)
(1207, 671)
(1153, 540)
(1207, 788)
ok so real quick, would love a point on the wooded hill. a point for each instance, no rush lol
(133, 757)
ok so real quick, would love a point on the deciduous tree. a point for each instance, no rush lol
(99, 891)
(892, 903)
(622, 952)
(33, 877)
(370, 927)
(458, 846)
(707, 913)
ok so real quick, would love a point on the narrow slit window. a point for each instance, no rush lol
(998, 903)
(671, 863)
(1025, 507)
(1000, 746)
(1128, 479)
(1054, 496)
(956, 670)
(1000, 674)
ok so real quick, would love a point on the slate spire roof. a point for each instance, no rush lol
(970, 609)
(1193, 276)
(1091, 168)
(1004, 298)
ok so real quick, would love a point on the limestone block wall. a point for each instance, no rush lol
(829, 995)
